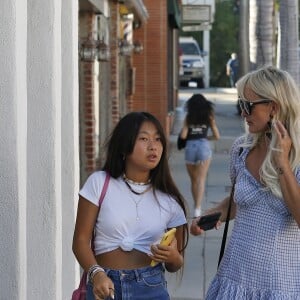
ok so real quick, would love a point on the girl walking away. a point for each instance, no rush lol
(140, 204)
(199, 119)
(261, 260)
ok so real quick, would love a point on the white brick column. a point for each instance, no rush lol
(44, 151)
(70, 142)
(13, 119)
(39, 159)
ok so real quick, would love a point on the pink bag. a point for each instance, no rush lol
(80, 292)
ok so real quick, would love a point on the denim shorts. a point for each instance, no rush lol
(147, 283)
(197, 151)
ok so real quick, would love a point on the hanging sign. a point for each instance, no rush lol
(196, 14)
(200, 27)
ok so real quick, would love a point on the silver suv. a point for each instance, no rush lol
(191, 62)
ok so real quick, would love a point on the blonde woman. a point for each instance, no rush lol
(261, 260)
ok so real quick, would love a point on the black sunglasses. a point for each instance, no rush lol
(247, 106)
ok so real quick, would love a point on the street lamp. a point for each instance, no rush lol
(138, 47)
(91, 49)
(126, 48)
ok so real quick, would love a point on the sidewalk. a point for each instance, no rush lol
(202, 252)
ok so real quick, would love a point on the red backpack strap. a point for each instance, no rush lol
(104, 189)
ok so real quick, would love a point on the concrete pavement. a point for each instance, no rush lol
(202, 252)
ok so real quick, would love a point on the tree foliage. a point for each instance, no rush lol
(223, 40)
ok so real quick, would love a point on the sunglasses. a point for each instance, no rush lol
(247, 106)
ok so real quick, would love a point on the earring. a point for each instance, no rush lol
(268, 132)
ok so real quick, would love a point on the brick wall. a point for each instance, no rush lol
(114, 61)
(86, 106)
(151, 85)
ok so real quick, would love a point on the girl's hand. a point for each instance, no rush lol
(165, 254)
(103, 287)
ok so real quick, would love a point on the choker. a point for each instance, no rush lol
(134, 182)
(135, 192)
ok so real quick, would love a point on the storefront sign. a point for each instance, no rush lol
(196, 14)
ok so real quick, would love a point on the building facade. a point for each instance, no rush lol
(140, 71)
(70, 70)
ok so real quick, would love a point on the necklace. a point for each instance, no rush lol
(135, 192)
(138, 200)
(137, 216)
(135, 199)
(134, 182)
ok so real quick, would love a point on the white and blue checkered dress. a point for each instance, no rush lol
(262, 259)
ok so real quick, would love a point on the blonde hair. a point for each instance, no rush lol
(277, 85)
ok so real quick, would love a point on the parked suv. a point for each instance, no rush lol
(192, 64)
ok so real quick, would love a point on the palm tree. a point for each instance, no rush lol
(261, 32)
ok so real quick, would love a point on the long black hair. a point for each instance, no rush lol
(199, 110)
(121, 143)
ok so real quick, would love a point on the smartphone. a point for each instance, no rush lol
(166, 240)
(208, 222)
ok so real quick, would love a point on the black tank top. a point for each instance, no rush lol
(197, 132)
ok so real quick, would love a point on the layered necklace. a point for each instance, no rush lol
(130, 182)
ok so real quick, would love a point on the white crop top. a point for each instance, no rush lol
(117, 224)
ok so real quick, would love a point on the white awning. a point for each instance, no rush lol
(138, 9)
(97, 6)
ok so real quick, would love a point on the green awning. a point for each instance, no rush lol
(174, 14)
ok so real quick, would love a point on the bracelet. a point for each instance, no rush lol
(93, 270)
(96, 272)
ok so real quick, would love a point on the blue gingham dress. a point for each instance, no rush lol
(262, 258)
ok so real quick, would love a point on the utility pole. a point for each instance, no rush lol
(244, 60)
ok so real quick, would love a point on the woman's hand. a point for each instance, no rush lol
(103, 287)
(284, 143)
(196, 230)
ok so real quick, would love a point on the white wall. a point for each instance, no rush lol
(13, 108)
(39, 148)
(70, 141)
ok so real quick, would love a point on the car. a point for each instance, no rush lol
(192, 66)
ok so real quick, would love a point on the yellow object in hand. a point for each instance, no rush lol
(165, 241)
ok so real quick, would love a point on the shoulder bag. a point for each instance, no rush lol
(80, 292)
(180, 142)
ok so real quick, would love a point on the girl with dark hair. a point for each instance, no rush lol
(199, 118)
(141, 203)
